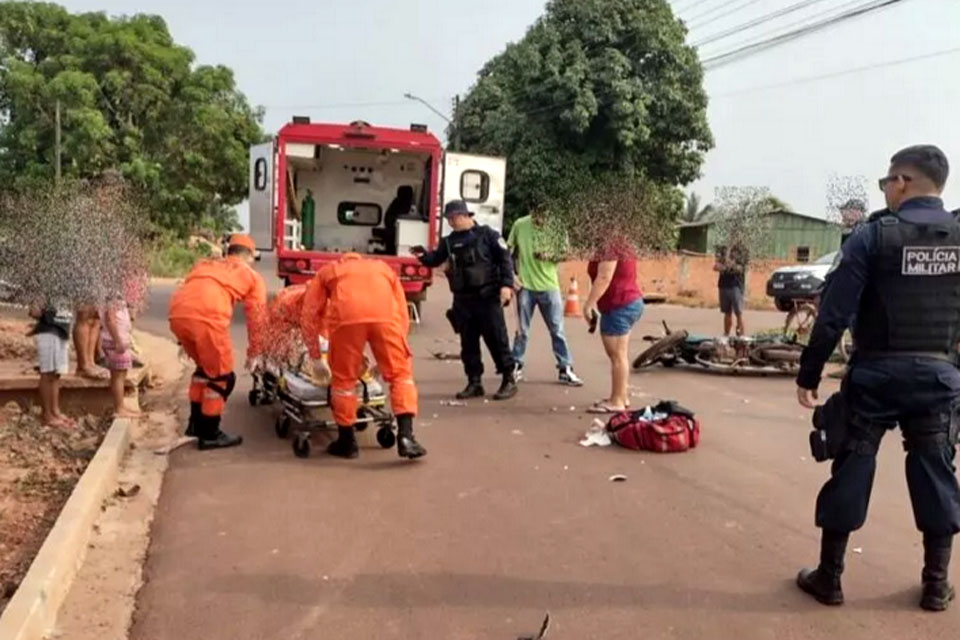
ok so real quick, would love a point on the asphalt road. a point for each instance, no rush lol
(508, 518)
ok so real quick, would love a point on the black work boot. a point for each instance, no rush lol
(210, 436)
(407, 445)
(345, 446)
(823, 583)
(195, 415)
(474, 389)
(508, 388)
(937, 590)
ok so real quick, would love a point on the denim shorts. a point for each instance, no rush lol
(620, 321)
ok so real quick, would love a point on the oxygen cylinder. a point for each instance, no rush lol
(308, 217)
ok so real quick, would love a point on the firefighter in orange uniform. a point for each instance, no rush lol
(361, 301)
(200, 314)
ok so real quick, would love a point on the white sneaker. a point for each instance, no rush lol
(518, 373)
(569, 378)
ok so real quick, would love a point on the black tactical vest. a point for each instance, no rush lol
(472, 269)
(912, 300)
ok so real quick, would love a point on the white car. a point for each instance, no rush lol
(799, 282)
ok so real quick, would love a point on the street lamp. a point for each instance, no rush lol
(456, 114)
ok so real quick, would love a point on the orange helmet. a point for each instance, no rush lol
(242, 240)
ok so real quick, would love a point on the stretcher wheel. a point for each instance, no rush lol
(282, 427)
(253, 397)
(385, 437)
(301, 446)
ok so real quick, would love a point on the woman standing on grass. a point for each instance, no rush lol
(616, 297)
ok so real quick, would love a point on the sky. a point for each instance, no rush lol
(837, 102)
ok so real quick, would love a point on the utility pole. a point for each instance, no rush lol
(57, 143)
(456, 119)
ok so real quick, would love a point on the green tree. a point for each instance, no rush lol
(596, 87)
(131, 99)
(693, 212)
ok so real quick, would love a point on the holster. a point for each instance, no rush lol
(830, 428)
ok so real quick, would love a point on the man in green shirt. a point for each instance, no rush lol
(539, 288)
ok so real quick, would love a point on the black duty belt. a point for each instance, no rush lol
(935, 355)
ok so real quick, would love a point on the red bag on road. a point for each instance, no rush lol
(677, 432)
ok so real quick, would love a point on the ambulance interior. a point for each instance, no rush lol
(369, 201)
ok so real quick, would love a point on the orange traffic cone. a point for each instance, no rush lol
(572, 307)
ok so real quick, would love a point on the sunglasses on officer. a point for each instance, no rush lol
(883, 182)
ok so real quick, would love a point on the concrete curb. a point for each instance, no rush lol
(32, 613)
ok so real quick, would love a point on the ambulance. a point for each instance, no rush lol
(320, 190)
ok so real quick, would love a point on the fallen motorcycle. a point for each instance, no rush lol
(748, 355)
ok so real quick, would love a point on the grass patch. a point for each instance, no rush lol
(172, 257)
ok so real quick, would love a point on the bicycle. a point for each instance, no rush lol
(799, 325)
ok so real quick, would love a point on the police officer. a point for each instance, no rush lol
(899, 276)
(481, 279)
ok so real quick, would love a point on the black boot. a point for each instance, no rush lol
(508, 388)
(823, 583)
(407, 445)
(937, 590)
(210, 436)
(195, 415)
(345, 446)
(474, 389)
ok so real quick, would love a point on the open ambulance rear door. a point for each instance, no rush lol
(263, 219)
(480, 181)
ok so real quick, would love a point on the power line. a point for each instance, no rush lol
(725, 58)
(758, 21)
(803, 21)
(342, 105)
(838, 74)
(690, 6)
(694, 22)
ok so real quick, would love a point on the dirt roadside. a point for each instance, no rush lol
(39, 466)
(101, 603)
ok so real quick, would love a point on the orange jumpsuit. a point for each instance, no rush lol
(200, 314)
(361, 301)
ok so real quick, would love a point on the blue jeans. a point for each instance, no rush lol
(551, 308)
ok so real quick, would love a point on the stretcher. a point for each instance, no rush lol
(305, 406)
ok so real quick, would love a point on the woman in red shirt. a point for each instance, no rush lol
(616, 297)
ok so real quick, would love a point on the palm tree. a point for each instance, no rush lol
(692, 212)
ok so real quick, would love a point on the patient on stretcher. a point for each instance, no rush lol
(284, 349)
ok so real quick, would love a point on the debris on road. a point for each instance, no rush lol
(543, 630)
(596, 436)
(517, 432)
(858, 550)
(618, 478)
(445, 355)
(127, 491)
(452, 403)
